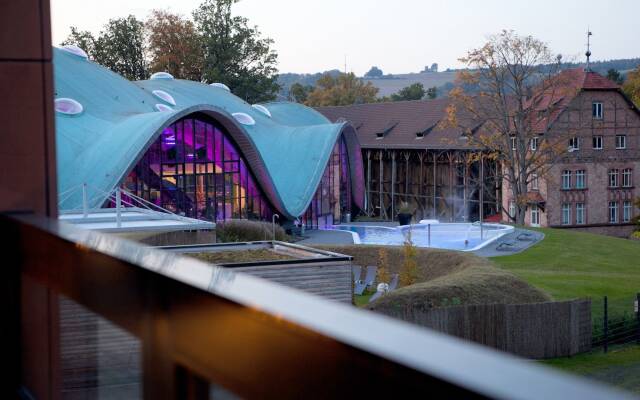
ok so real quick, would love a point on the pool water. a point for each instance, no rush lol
(452, 236)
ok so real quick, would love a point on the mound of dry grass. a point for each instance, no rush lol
(446, 278)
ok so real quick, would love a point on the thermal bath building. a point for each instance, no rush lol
(198, 150)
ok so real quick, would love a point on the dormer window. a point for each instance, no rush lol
(596, 110)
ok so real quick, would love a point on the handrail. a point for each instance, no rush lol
(259, 339)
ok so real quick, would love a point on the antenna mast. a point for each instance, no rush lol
(588, 53)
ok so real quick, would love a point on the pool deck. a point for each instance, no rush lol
(335, 237)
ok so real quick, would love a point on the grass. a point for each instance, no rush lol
(619, 367)
(568, 265)
(223, 257)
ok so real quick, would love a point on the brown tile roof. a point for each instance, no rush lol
(414, 124)
(400, 124)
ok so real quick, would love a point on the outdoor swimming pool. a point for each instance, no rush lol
(453, 236)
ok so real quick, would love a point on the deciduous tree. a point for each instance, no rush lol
(174, 45)
(412, 92)
(513, 107)
(631, 86)
(341, 90)
(235, 53)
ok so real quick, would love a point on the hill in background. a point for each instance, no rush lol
(444, 81)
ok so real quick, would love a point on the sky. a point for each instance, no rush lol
(398, 36)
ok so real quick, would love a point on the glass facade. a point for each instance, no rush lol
(332, 199)
(194, 169)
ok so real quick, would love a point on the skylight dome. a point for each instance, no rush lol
(262, 109)
(68, 106)
(163, 107)
(75, 50)
(161, 75)
(161, 94)
(221, 86)
(243, 118)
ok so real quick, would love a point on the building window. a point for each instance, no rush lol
(513, 143)
(512, 209)
(613, 178)
(581, 182)
(535, 215)
(596, 110)
(626, 177)
(566, 179)
(626, 211)
(574, 144)
(613, 212)
(621, 142)
(534, 182)
(533, 144)
(597, 142)
(580, 220)
(566, 214)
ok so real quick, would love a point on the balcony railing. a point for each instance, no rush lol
(199, 324)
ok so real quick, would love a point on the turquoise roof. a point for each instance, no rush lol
(287, 152)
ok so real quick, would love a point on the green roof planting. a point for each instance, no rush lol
(287, 151)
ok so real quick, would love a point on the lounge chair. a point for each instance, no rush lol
(375, 296)
(359, 287)
(394, 282)
(370, 277)
(356, 270)
(525, 236)
(508, 245)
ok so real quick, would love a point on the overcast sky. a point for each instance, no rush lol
(398, 36)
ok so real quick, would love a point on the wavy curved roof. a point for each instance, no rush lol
(287, 152)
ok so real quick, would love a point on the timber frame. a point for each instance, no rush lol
(440, 184)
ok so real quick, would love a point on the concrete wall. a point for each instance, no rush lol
(173, 238)
(539, 330)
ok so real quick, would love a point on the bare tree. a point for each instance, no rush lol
(517, 93)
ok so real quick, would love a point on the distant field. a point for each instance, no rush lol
(569, 265)
(429, 79)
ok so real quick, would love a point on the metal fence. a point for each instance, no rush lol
(618, 329)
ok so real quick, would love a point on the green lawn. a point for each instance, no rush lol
(619, 367)
(568, 264)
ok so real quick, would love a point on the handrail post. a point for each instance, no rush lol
(273, 226)
(118, 208)
(85, 202)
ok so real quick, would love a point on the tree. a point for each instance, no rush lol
(409, 268)
(412, 92)
(82, 39)
(374, 72)
(119, 47)
(631, 86)
(432, 93)
(342, 90)
(174, 45)
(614, 75)
(383, 275)
(299, 92)
(236, 54)
(513, 108)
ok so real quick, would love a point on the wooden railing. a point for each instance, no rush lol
(199, 324)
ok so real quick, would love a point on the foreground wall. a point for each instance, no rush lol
(538, 330)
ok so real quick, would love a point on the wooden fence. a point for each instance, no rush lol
(537, 330)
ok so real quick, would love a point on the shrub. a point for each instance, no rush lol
(409, 269)
(242, 230)
(383, 266)
(406, 208)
